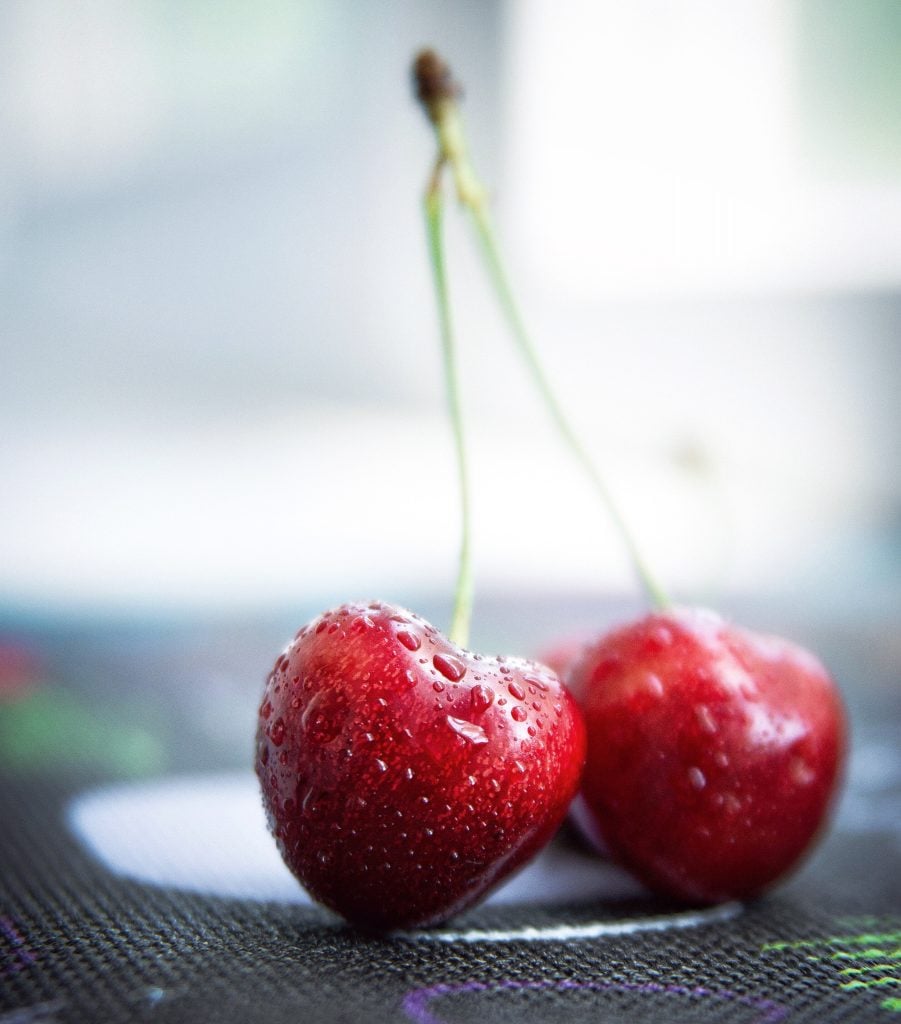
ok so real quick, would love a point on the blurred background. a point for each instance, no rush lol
(220, 383)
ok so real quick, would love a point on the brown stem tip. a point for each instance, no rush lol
(433, 81)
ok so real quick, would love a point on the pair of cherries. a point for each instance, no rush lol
(404, 777)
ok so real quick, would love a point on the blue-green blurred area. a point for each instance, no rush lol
(220, 384)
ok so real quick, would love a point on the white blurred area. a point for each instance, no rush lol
(219, 370)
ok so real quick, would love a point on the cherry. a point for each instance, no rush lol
(714, 753)
(403, 776)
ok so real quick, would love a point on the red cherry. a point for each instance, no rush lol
(714, 754)
(402, 776)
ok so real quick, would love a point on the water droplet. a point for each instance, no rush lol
(410, 677)
(654, 684)
(408, 774)
(696, 778)
(266, 709)
(449, 666)
(662, 636)
(535, 681)
(705, 719)
(410, 640)
(475, 734)
(380, 764)
(518, 714)
(322, 857)
(480, 697)
(732, 803)
(321, 626)
(516, 691)
(438, 687)
(721, 758)
(520, 767)
(277, 732)
(333, 628)
(801, 772)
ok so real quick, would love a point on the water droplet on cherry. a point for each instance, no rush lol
(410, 640)
(480, 697)
(475, 734)
(449, 666)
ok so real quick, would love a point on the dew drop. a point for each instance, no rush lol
(410, 640)
(516, 691)
(732, 803)
(475, 734)
(277, 732)
(801, 772)
(437, 687)
(518, 714)
(480, 697)
(380, 764)
(696, 778)
(654, 684)
(449, 666)
(535, 681)
(705, 719)
(662, 636)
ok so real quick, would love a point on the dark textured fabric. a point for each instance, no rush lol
(79, 943)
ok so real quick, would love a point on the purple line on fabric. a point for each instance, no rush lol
(416, 1003)
(23, 955)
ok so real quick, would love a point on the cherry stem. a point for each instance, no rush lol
(434, 209)
(438, 93)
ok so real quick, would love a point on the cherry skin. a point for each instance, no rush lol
(402, 776)
(714, 754)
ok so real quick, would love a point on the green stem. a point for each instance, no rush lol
(438, 94)
(499, 280)
(459, 630)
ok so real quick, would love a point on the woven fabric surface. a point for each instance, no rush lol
(110, 910)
